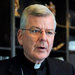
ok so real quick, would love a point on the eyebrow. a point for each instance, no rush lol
(41, 28)
(34, 27)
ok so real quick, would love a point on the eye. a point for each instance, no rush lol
(50, 33)
(34, 30)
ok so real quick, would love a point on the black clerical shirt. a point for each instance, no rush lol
(19, 65)
(28, 67)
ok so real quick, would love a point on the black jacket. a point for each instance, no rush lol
(55, 67)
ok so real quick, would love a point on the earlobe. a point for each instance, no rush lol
(20, 37)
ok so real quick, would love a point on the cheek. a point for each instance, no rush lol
(50, 44)
(29, 41)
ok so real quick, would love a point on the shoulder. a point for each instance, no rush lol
(7, 62)
(60, 67)
(9, 66)
(59, 64)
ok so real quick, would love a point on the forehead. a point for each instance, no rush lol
(40, 21)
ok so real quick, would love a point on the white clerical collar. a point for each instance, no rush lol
(37, 66)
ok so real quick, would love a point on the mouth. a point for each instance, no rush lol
(41, 48)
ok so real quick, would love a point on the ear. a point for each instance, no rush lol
(20, 37)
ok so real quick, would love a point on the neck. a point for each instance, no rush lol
(36, 61)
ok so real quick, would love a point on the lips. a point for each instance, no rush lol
(41, 47)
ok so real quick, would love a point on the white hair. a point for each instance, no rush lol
(35, 10)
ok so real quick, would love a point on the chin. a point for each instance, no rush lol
(42, 57)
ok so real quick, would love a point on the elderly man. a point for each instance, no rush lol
(36, 36)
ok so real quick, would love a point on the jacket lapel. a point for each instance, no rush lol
(51, 67)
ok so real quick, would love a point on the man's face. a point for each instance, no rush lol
(37, 46)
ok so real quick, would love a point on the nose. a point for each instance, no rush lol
(43, 36)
